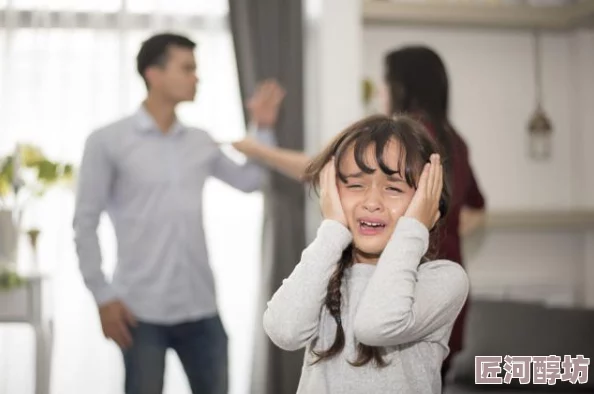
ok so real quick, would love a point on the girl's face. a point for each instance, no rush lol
(373, 203)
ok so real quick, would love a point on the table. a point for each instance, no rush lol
(31, 304)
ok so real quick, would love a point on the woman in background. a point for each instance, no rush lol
(417, 83)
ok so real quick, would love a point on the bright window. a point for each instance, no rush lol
(68, 67)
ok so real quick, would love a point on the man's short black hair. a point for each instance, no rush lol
(153, 51)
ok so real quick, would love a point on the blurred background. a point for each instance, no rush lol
(68, 67)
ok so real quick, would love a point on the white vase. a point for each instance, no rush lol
(9, 235)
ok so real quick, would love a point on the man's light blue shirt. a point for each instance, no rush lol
(150, 184)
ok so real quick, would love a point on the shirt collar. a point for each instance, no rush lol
(145, 123)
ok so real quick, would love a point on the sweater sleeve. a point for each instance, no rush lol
(291, 319)
(404, 302)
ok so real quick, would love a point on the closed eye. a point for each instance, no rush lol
(354, 186)
(395, 189)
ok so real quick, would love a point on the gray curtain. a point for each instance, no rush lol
(268, 38)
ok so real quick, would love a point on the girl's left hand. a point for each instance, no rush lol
(424, 205)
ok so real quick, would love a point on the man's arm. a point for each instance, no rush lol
(248, 177)
(94, 185)
(263, 107)
(95, 181)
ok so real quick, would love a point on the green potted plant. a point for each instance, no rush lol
(9, 279)
(25, 174)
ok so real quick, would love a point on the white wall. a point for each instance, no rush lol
(491, 73)
(582, 45)
(333, 70)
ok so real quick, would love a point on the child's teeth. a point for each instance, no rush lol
(371, 224)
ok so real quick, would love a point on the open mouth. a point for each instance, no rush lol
(371, 226)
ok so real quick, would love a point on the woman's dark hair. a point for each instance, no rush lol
(416, 147)
(418, 84)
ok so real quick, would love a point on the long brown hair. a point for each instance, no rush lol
(418, 82)
(416, 147)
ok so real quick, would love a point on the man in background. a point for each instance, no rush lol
(147, 171)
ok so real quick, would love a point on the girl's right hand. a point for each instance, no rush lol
(329, 198)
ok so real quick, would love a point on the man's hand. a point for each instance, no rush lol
(264, 105)
(115, 322)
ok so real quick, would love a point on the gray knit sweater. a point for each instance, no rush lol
(407, 308)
